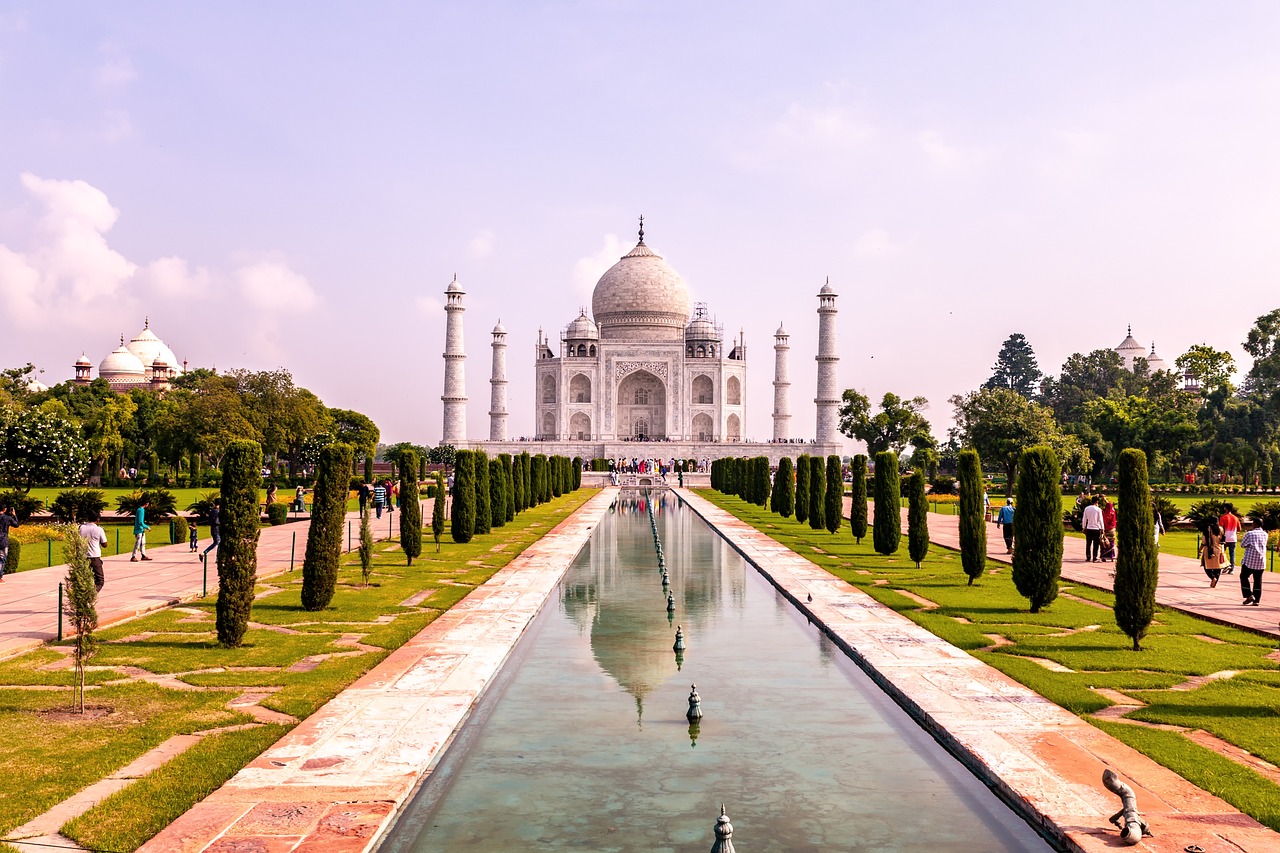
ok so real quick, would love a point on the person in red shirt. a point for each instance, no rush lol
(1230, 524)
(1108, 516)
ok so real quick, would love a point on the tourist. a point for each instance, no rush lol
(7, 520)
(194, 531)
(1252, 563)
(363, 495)
(95, 537)
(1108, 516)
(1158, 524)
(215, 524)
(1093, 524)
(1005, 522)
(1211, 553)
(393, 496)
(1230, 524)
(299, 498)
(380, 498)
(986, 504)
(271, 493)
(1108, 547)
(140, 528)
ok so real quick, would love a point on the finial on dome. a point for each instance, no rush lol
(1130, 330)
(642, 229)
(122, 339)
(146, 322)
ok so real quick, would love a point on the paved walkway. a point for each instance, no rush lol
(1040, 756)
(29, 600)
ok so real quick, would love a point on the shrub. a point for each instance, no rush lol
(1267, 513)
(1168, 510)
(784, 486)
(497, 494)
(203, 506)
(1203, 512)
(324, 536)
(180, 530)
(858, 509)
(14, 560)
(802, 488)
(942, 486)
(462, 521)
(1037, 527)
(410, 506)
(1137, 564)
(817, 492)
(277, 514)
(23, 505)
(484, 512)
(833, 512)
(886, 531)
(161, 503)
(238, 552)
(973, 525)
(437, 511)
(917, 518)
(75, 506)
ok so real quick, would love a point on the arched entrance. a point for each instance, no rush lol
(702, 427)
(642, 406)
(733, 429)
(549, 426)
(580, 426)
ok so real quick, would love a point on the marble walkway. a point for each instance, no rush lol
(1037, 754)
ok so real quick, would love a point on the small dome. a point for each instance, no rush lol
(147, 347)
(454, 287)
(701, 329)
(781, 333)
(83, 361)
(161, 363)
(1130, 350)
(499, 329)
(35, 386)
(641, 297)
(582, 328)
(1154, 362)
(828, 290)
(120, 364)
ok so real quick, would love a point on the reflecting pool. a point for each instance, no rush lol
(582, 742)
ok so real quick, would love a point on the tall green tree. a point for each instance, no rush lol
(802, 488)
(973, 524)
(530, 498)
(462, 521)
(238, 551)
(817, 492)
(763, 483)
(1137, 563)
(886, 530)
(1263, 344)
(833, 511)
(1037, 527)
(557, 476)
(577, 473)
(324, 534)
(892, 428)
(519, 492)
(917, 518)
(1001, 424)
(437, 510)
(410, 506)
(858, 507)
(509, 485)
(497, 494)
(1016, 368)
(785, 487)
(40, 449)
(484, 512)
(366, 546)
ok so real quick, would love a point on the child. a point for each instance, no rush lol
(195, 536)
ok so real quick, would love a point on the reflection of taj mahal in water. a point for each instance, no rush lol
(647, 366)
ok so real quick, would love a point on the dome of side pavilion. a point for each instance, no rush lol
(641, 298)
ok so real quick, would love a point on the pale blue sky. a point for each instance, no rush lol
(294, 184)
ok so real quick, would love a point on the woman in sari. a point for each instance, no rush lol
(1211, 553)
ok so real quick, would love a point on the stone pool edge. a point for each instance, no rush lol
(336, 781)
(1044, 760)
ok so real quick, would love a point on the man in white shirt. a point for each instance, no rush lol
(93, 534)
(1091, 521)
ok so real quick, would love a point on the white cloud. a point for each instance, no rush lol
(876, 243)
(587, 270)
(116, 126)
(272, 286)
(481, 245)
(430, 306)
(174, 277)
(115, 72)
(940, 154)
(820, 140)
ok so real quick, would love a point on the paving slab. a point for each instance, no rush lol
(1043, 759)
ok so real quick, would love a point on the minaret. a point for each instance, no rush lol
(498, 386)
(828, 399)
(455, 361)
(781, 386)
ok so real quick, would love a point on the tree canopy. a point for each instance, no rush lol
(1016, 368)
(898, 422)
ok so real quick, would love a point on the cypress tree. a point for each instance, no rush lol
(238, 553)
(497, 494)
(917, 518)
(1137, 563)
(324, 536)
(886, 530)
(1037, 527)
(538, 475)
(858, 505)
(462, 523)
(785, 487)
(833, 512)
(728, 469)
(973, 525)
(368, 467)
(802, 488)
(577, 473)
(566, 475)
(773, 494)
(520, 491)
(410, 506)
(484, 514)
(557, 476)
(740, 478)
(508, 476)
(817, 492)
(530, 499)
(437, 511)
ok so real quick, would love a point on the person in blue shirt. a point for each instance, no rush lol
(140, 528)
(1004, 520)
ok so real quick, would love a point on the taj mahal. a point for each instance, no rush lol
(647, 365)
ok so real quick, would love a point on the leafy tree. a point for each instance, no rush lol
(484, 511)
(1263, 344)
(1210, 368)
(1016, 368)
(1037, 526)
(817, 492)
(463, 517)
(497, 494)
(892, 428)
(161, 503)
(1001, 424)
(238, 552)
(1137, 563)
(886, 531)
(858, 508)
(355, 429)
(324, 535)
(833, 511)
(309, 452)
(437, 510)
(75, 506)
(973, 526)
(40, 449)
(784, 487)
(917, 518)
(80, 605)
(445, 454)
(802, 488)
(410, 506)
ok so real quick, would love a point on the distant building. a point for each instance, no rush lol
(144, 362)
(1130, 351)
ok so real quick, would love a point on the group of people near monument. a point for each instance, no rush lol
(1218, 546)
(384, 494)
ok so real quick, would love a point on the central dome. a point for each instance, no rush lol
(641, 298)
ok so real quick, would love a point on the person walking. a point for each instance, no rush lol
(1252, 563)
(1158, 525)
(1093, 523)
(140, 528)
(363, 494)
(7, 520)
(271, 493)
(379, 499)
(93, 534)
(1231, 526)
(1211, 553)
(1108, 516)
(1004, 521)
(215, 528)
(194, 531)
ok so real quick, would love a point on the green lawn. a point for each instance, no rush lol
(1079, 633)
(46, 761)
